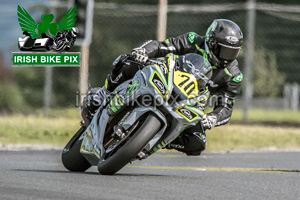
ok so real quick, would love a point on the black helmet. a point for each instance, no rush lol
(224, 39)
(196, 65)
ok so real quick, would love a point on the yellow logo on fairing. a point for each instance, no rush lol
(186, 83)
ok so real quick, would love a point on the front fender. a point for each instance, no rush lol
(140, 111)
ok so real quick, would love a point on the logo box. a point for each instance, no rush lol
(46, 59)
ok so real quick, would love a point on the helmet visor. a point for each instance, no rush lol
(226, 53)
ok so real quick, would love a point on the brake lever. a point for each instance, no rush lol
(148, 62)
(152, 62)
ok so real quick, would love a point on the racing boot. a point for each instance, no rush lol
(192, 144)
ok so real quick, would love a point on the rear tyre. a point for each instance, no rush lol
(71, 157)
(132, 147)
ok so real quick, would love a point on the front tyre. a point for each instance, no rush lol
(132, 147)
(71, 157)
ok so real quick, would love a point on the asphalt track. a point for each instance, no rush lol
(164, 175)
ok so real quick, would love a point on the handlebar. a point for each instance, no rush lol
(131, 58)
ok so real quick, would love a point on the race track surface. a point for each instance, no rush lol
(165, 175)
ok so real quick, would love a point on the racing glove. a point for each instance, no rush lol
(140, 55)
(209, 121)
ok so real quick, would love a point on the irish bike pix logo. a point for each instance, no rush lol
(46, 43)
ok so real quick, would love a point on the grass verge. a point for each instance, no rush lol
(249, 137)
(60, 126)
(269, 116)
(55, 129)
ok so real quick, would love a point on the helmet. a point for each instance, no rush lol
(196, 65)
(74, 31)
(224, 39)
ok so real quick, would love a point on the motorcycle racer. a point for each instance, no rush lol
(68, 37)
(220, 46)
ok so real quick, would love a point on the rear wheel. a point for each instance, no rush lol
(132, 147)
(71, 157)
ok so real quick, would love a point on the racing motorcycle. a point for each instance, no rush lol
(141, 116)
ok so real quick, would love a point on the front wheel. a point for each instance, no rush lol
(71, 157)
(132, 147)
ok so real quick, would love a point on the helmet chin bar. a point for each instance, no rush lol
(212, 58)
